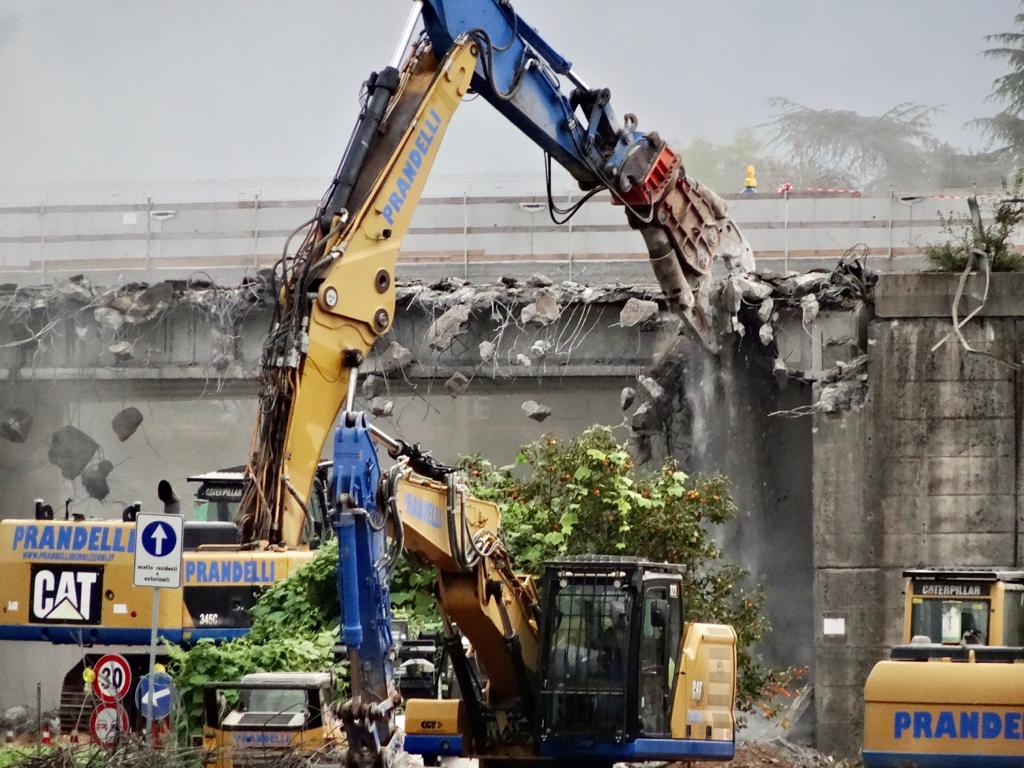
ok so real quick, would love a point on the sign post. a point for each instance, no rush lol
(158, 546)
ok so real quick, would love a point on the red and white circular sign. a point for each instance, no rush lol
(113, 678)
(107, 722)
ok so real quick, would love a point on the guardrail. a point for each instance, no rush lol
(153, 239)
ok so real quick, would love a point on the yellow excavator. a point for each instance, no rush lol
(596, 663)
(952, 695)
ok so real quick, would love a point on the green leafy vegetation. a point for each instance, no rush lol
(995, 238)
(294, 628)
(587, 496)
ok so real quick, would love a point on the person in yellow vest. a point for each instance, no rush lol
(750, 185)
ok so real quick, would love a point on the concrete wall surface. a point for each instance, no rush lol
(927, 472)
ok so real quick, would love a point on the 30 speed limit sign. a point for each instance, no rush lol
(113, 678)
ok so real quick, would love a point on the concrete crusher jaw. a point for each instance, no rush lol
(686, 229)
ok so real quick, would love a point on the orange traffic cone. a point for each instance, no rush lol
(46, 739)
(73, 737)
(9, 736)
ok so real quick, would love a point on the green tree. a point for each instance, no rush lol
(843, 147)
(586, 496)
(1005, 130)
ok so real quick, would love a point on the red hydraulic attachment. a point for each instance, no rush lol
(685, 226)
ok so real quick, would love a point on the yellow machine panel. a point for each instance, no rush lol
(937, 708)
(706, 685)
(71, 582)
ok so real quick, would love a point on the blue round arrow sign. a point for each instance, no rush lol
(154, 695)
(158, 539)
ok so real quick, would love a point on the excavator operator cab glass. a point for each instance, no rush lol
(587, 655)
(1013, 617)
(611, 634)
(950, 621)
(276, 701)
(659, 656)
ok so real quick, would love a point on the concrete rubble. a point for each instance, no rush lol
(15, 424)
(373, 385)
(456, 384)
(626, 398)
(544, 311)
(71, 450)
(125, 422)
(638, 311)
(394, 357)
(535, 410)
(447, 327)
(382, 407)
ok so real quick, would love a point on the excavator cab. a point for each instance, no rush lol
(968, 606)
(953, 692)
(612, 667)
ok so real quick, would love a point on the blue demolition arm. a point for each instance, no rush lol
(363, 580)
(684, 225)
(518, 73)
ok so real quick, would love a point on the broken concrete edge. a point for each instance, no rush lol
(931, 294)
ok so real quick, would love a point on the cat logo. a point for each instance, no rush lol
(66, 595)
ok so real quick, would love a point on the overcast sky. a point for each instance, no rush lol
(194, 89)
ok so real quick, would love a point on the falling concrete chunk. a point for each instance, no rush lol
(382, 407)
(809, 306)
(538, 280)
(394, 357)
(780, 372)
(643, 421)
(15, 424)
(95, 483)
(766, 334)
(108, 318)
(105, 467)
(126, 422)
(764, 312)
(540, 348)
(150, 304)
(523, 360)
(653, 388)
(77, 289)
(637, 311)
(456, 384)
(752, 289)
(536, 411)
(732, 300)
(543, 311)
(122, 350)
(487, 350)
(626, 397)
(373, 386)
(71, 450)
(449, 325)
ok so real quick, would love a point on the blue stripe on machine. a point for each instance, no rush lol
(874, 759)
(646, 749)
(418, 744)
(89, 635)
